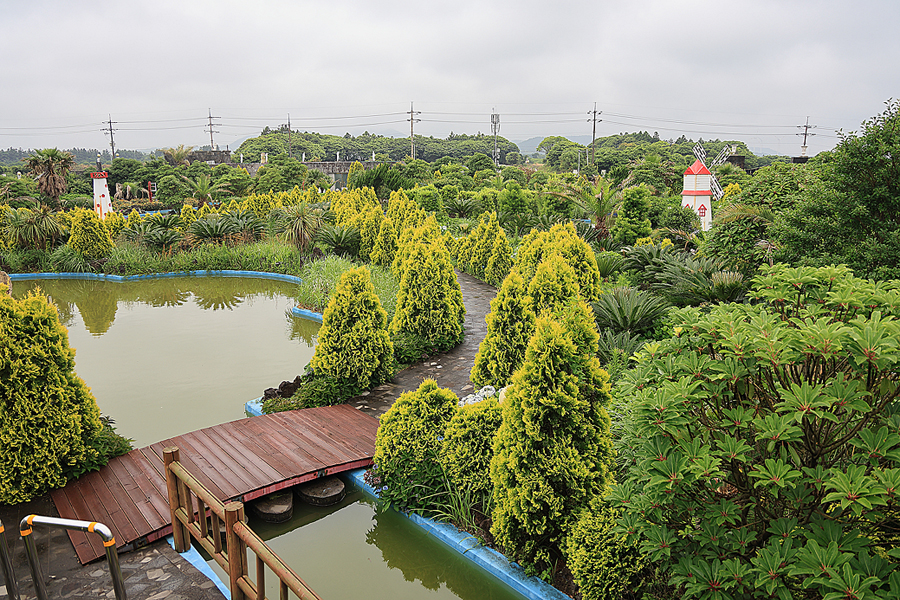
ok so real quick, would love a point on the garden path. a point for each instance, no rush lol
(450, 369)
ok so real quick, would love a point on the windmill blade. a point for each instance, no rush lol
(723, 155)
(700, 152)
(716, 187)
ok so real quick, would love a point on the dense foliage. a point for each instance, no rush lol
(760, 443)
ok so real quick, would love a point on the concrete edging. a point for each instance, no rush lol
(107, 277)
(488, 559)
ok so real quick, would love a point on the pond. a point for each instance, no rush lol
(380, 552)
(168, 356)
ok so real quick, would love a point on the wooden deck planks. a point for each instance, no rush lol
(244, 458)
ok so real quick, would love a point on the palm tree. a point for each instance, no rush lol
(49, 167)
(179, 154)
(203, 189)
(302, 223)
(596, 198)
(27, 228)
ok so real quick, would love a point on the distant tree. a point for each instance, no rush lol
(178, 155)
(203, 189)
(479, 162)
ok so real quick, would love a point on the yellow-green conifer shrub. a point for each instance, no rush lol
(551, 454)
(134, 219)
(579, 254)
(114, 223)
(206, 210)
(606, 566)
(510, 325)
(369, 228)
(48, 417)
(500, 262)
(408, 445)
(260, 204)
(467, 449)
(385, 246)
(88, 236)
(482, 244)
(554, 284)
(354, 345)
(233, 207)
(429, 304)
(397, 208)
(426, 233)
(188, 216)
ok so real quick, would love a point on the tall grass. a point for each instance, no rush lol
(320, 278)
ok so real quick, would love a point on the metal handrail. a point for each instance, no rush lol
(109, 542)
(9, 575)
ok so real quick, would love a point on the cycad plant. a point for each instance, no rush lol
(627, 309)
(212, 228)
(342, 240)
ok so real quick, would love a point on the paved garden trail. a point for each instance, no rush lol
(451, 369)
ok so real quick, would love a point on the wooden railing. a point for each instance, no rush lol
(190, 521)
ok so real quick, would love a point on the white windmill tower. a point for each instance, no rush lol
(700, 185)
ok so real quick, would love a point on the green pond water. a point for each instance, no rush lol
(353, 550)
(168, 356)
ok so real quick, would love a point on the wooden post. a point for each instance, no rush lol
(171, 455)
(237, 553)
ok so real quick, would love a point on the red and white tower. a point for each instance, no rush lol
(697, 194)
(102, 203)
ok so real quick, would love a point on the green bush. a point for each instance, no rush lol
(49, 422)
(761, 442)
(561, 239)
(408, 445)
(467, 449)
(354, 345)
(510, 325)
(554, 284)
(88, 235)
(604, 564)
(430, 304)
(633, 221)
(552, 452)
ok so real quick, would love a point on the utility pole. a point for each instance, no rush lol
(290, 154)
(805, 133)
(412, 139)
(212, 145)
(593, 118)
(112, 141)
(495, 127)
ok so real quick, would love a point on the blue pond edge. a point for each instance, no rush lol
(488, 559)
(295, 311)
(193, 557)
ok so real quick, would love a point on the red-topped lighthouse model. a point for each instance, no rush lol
(102, 204)
(697, 194)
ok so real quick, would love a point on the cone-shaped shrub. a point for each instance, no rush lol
(562, 240)
(369, 228)
(547, 452)
(408, 444)
(500, 262)
(134, 218)
(354, 345)
(467, 449)
(188, 216)
(114, 224)
(88, 236)
(426, 233)
(510, 325)
(49, 421)
(429, 304)
(554, 284)
(385, 246)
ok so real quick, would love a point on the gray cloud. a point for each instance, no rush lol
(752, 71)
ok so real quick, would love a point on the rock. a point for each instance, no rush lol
(322, 492)
(270, 393)
(274, 508)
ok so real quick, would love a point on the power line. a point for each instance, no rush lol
(112, 139)
(212, 145)
(412, 139)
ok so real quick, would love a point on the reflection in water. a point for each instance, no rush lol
(352, 551)
(162, 360)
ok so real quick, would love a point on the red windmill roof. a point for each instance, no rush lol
(697, 169)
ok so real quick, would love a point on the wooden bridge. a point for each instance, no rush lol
(240, 460)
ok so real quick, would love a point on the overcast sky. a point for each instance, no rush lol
(749, 70)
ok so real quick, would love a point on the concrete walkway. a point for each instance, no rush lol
(157, 572)
(451, 369)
